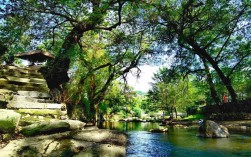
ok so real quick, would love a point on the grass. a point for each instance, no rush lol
(195, 117)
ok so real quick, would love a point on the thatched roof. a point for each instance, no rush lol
(35, 56)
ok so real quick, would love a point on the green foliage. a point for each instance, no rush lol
(208, 30)
(104, 40)
(194, 117)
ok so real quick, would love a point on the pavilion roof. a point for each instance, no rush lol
(35, 56)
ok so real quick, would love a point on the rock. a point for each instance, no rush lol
(75, 124)
(42, 112)
(8, 120)
(45, 128)
(102, 136)
(16, 78)
(158, 130)
(34, 94)
(180, 126)
(91, 128)
(211, 129)
(62, 117)
(27, 80)
(23, 87)
(33, 105)
(81, 143)
(21, 98)
(6, 95)
(52, 127)
(6, 137)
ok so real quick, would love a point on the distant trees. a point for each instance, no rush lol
(171, 92)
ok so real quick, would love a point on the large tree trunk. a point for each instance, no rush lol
(56, 71)
(226, 81)
(211, 84)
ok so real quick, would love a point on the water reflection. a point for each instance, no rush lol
(179, 142)
(129, 126)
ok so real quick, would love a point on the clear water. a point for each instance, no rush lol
(179, 142)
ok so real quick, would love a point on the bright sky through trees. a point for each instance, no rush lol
(143, 82)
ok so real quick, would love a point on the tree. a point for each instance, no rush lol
(12, 37)
(169, 91)
(70, 19)
(211, 29)
(101, 62)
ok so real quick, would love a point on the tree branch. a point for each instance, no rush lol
(119, 19)
(237, 64)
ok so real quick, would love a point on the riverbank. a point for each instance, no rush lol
(238, 125)
(85, 142)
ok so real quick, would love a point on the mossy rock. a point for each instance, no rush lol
(28, 120)
(6, 95)
(41, 112)
(9, 120)
(45, 128)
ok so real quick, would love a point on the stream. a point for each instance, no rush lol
(179, 142)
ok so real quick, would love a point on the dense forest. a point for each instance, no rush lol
(98, 42)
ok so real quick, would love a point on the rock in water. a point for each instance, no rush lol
(8, 120)
(158, 130)
(211, 129)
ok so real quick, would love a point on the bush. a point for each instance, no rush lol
(195, 117)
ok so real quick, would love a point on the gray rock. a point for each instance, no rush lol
(158, 130)
(66, 144)
(8, 120)
(101, 136)
(211, 129)
(75, 124)
(6, 95)
(42, 112)
(33, 105)
(45, 128)
(34, 94)
(21, 98)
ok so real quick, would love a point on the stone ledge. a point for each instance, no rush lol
(42, 112)
(32, 105)
(16, 88)
(30, 99)
(34, 94)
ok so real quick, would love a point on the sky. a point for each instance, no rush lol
(143, 82)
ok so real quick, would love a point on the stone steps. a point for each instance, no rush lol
(30, 94)
(41, 112)
(30, 99)
(16, 87)
(22, 81)
(26, 80)
(19, 72)
(33, 105)
(34, 94)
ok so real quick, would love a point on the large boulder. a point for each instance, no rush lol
(102, 136)
(209, 129)
(53, 126)
(45, 128)
(75, 124)
(77, 143)
(9, 120)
